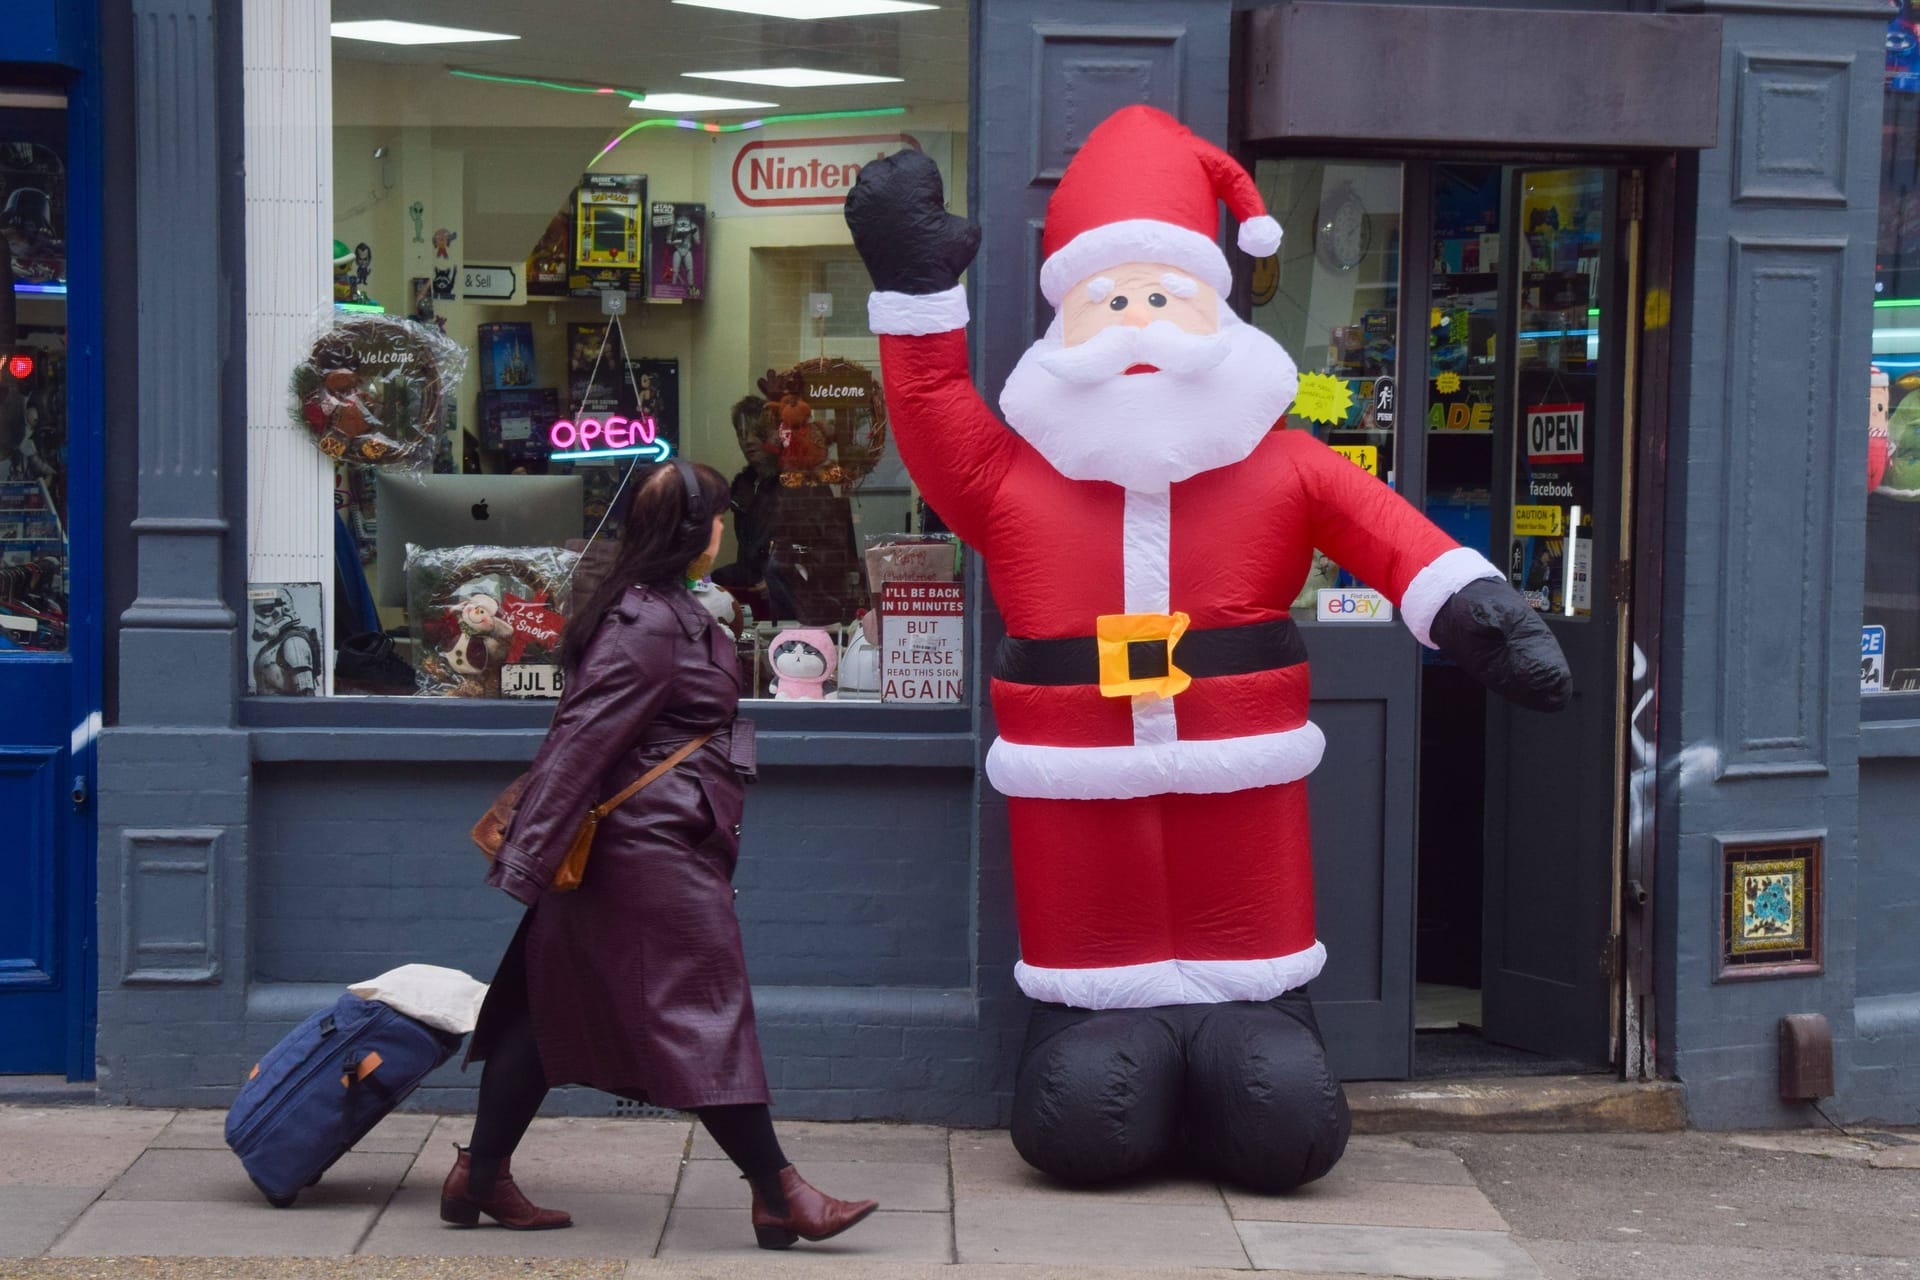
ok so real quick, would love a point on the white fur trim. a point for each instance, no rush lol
(1205, 766)
(914, 315)
(1146, 550)
(1434, 585)
(1164, 982)
(1133, 240)
(1259, 237)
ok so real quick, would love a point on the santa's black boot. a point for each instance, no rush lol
(1263, 1111)
(1098, 1096)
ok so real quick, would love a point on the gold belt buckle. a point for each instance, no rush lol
(1114, 632)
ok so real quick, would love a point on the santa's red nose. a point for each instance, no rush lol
(1141, 368)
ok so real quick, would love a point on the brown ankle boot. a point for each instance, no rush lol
(811, 1214)
(506, 1205)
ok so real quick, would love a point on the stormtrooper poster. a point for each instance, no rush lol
(677, 263)
(283, 639)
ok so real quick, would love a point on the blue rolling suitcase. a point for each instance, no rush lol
(323, 1087)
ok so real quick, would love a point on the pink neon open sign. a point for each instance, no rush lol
(596, 434)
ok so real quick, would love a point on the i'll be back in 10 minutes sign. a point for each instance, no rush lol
(923, 629)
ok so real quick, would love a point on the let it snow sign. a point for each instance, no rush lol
(922, 641)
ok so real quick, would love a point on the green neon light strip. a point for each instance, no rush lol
(561, 85)
(707, 126)
(1895, 302)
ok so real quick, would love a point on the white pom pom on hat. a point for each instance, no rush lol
(1145, 188)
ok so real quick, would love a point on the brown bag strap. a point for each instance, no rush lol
(686, 749)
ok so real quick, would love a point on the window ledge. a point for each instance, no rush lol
(1889, 739)
(778, 747)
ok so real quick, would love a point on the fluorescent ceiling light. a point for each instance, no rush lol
(810, 10)
(387, 31)
(791, 77)
(695, 102)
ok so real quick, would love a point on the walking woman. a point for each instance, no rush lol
(635, 982)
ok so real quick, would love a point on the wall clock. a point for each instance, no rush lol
(1342, 233)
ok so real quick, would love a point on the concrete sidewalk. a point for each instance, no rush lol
(107, 1193)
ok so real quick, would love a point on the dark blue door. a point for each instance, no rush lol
(49, 572)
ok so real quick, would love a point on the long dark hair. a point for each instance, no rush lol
(659, 538)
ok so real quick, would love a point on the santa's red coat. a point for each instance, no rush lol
(1160, 845)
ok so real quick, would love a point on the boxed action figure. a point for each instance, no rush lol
(506, 356)
(678, 256)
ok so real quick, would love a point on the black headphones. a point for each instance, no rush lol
(695, 516)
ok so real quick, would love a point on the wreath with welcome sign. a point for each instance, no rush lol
(373, 389)
(840, 449)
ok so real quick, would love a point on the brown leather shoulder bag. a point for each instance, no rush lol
(490, 833)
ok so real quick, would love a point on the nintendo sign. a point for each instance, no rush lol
(772, 175)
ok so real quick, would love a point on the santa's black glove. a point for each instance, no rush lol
(901, 226)
(1489, 631)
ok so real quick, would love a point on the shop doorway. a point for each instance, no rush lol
(1532, 352)
(1467, 854)
(49, 647)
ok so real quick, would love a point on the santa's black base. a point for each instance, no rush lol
(1238, 1092)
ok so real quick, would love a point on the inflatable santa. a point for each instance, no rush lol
(1145, 526)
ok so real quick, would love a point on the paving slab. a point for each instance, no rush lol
(368, 1268)
(1096, 1234)
(396, 1135)
(986, 1167)
(716, 1184)
(1905, 1157)
(218, 1177)
(32, 1218)
(1359, 1203)
(812, 1141)
(793, 1262)
(604, 1225)
(726, 1236)
(572, 1154)
(1374, 1158)
(162, 1228)
(1807, 1142)
(1644, 1260)
(1388, 1251)
(73, 1146)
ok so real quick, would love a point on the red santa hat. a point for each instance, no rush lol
(1144, 188)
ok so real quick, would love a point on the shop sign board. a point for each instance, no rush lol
(1556, 433)
(761, 175)
(1873, 659)
(490, 284)
(1351, 604)
(923, 628)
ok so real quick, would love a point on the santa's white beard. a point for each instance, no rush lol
(1150, 430)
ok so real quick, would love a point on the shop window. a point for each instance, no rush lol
(33, 389)
(618, 284)
(1890, 631)
(1331, 297)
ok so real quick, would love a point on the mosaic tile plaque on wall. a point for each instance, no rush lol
(1770, 908)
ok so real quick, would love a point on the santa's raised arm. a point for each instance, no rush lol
(1146, 524)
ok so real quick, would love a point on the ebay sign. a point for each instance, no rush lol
(612, 437)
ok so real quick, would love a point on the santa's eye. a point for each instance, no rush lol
(1118, 302)
(1156, 299)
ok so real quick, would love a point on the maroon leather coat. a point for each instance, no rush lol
(636, 980)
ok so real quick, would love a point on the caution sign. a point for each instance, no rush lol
(1539, 522)
(1556, 433)
(1364, 456)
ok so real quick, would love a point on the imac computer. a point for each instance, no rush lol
(470, 511)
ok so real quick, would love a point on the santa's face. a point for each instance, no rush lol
(1145, 379)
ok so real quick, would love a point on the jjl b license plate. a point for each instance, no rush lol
(530, 680)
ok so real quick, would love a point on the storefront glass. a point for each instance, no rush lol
(1331, 297)
(1890, 631)
(33, 381)
(642, 257)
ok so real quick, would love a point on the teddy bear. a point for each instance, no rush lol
(802, 442)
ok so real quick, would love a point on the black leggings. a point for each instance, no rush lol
(513, 1084)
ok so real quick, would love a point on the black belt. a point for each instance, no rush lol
(1221, 651)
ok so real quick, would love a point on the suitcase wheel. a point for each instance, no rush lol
(278, 1202)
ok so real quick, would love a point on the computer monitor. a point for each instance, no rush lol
(466, 511)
